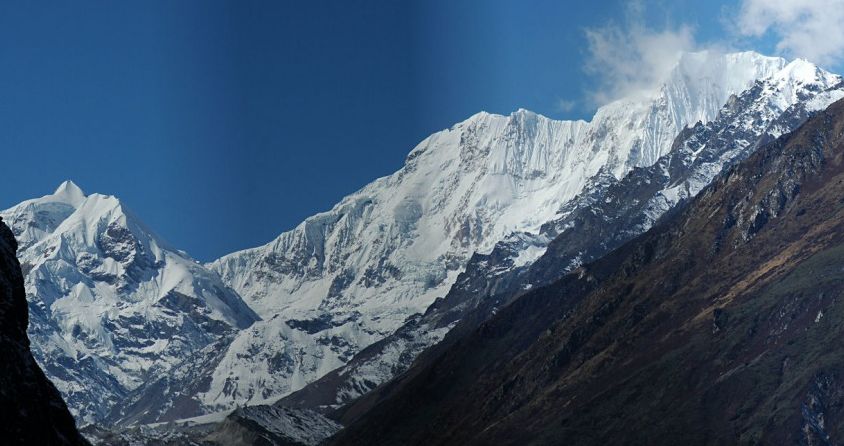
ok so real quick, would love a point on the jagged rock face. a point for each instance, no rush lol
(111, 305)
(31, 408)
(277, 426)
(606, 214)
(387, 251)
(718, 326)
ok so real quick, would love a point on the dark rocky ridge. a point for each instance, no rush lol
(719, 326)
(31, 409)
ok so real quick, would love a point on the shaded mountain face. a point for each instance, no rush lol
(718, 326)
(606, 214)
(31, 409)
(111, 304)
(344, 279)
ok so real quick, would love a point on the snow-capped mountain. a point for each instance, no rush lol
(133, 331)
(721, 325)
(462, 189)
(111, 305)
(608, 213)
(348, 277)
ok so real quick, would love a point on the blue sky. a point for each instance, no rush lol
(223, 124)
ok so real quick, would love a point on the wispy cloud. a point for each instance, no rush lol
(565, 105)
(812, 29)
(631, 59)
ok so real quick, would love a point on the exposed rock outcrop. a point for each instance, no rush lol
(31, 410)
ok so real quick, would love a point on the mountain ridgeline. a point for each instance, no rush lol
(606, 214)
(520, 280)
(345, 280)
(721, 325)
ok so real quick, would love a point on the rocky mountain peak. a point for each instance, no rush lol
(111, 302)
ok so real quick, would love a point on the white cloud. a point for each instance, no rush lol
(812, 29)
(565, 105)
(632, 59)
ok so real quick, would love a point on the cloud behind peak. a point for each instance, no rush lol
(810, 29)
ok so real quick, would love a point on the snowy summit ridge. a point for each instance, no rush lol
(356, 272)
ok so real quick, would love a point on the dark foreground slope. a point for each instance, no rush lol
(722, 325)
(31, 410)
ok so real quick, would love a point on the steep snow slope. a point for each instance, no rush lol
(719, 326)
(462, 188)
(112, 305)
(350, 276)
(606, 214)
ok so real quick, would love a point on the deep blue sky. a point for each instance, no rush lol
(223, 124)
